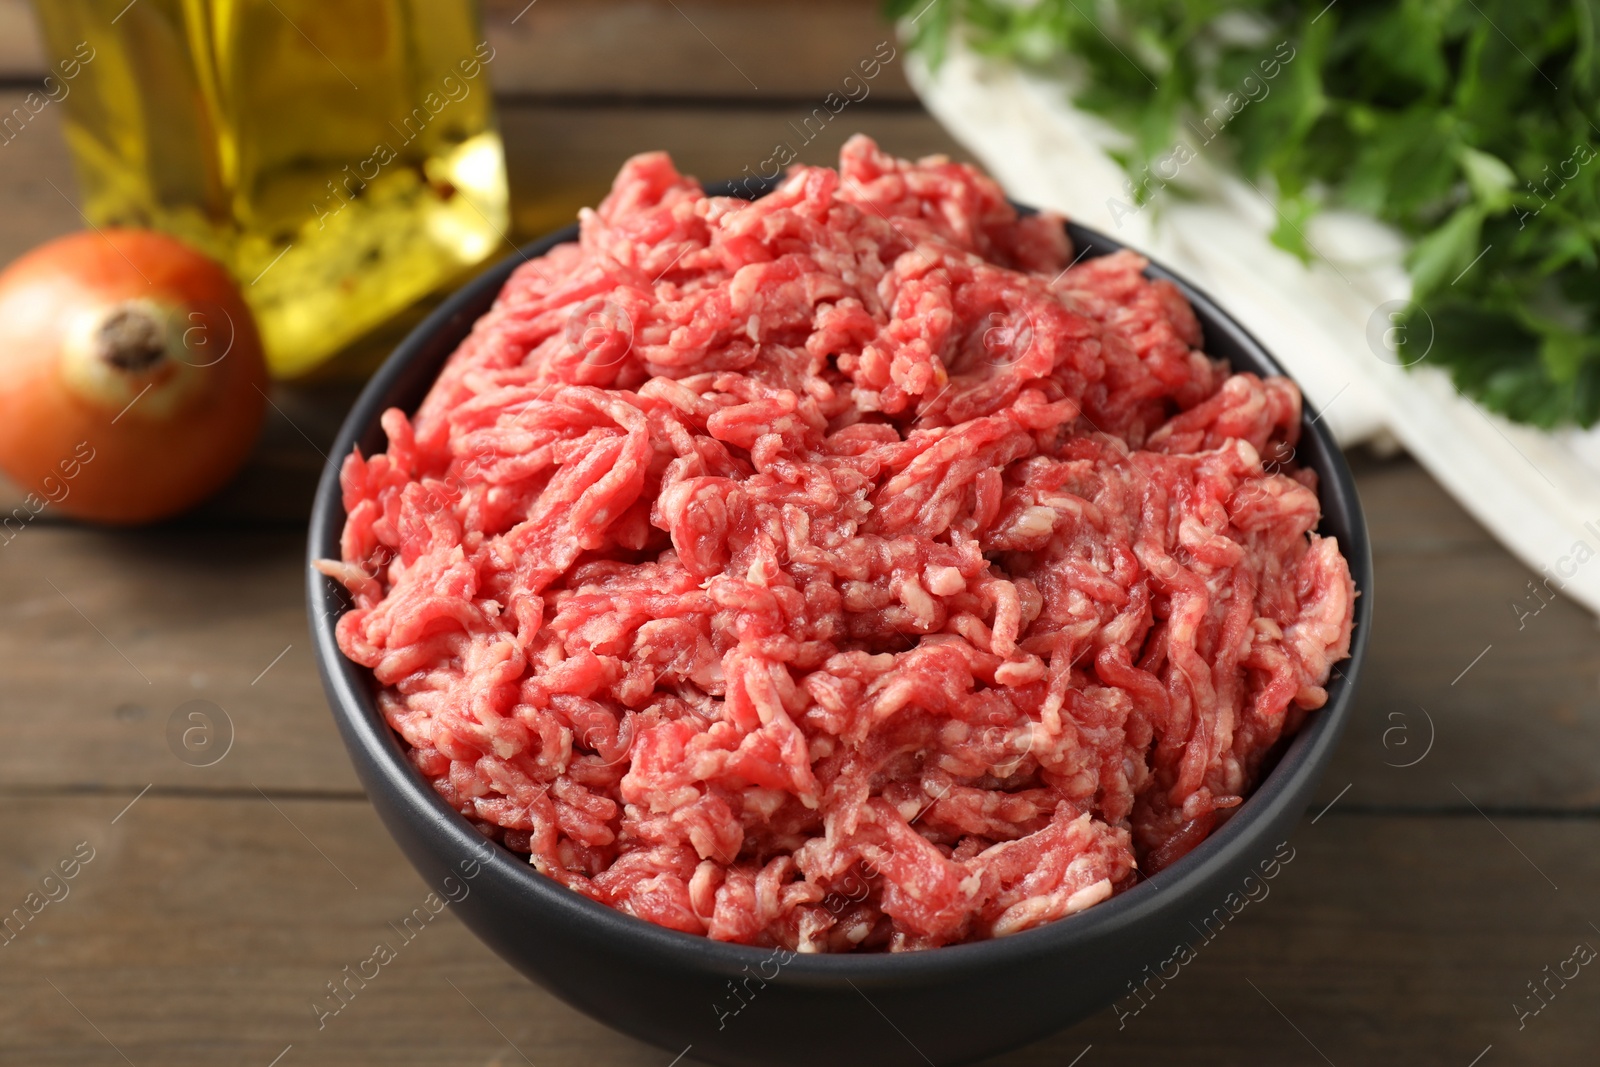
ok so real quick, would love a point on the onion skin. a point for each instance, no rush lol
(131, 348)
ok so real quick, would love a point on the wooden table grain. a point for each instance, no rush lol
(1452, 855)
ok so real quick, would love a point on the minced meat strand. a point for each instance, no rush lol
(840, 570)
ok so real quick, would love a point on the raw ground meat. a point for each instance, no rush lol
(837, 571)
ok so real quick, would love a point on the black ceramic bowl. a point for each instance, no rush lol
(729, 1004)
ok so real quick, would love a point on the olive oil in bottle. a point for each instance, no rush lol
(339, 156)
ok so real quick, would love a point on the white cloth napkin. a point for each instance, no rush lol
(1327, 323)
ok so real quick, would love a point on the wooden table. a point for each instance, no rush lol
(1453, 853)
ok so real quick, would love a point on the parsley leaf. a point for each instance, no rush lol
(1470, 125)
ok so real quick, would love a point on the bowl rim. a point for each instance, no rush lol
(349, 689)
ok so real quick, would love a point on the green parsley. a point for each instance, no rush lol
(1470, 125)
